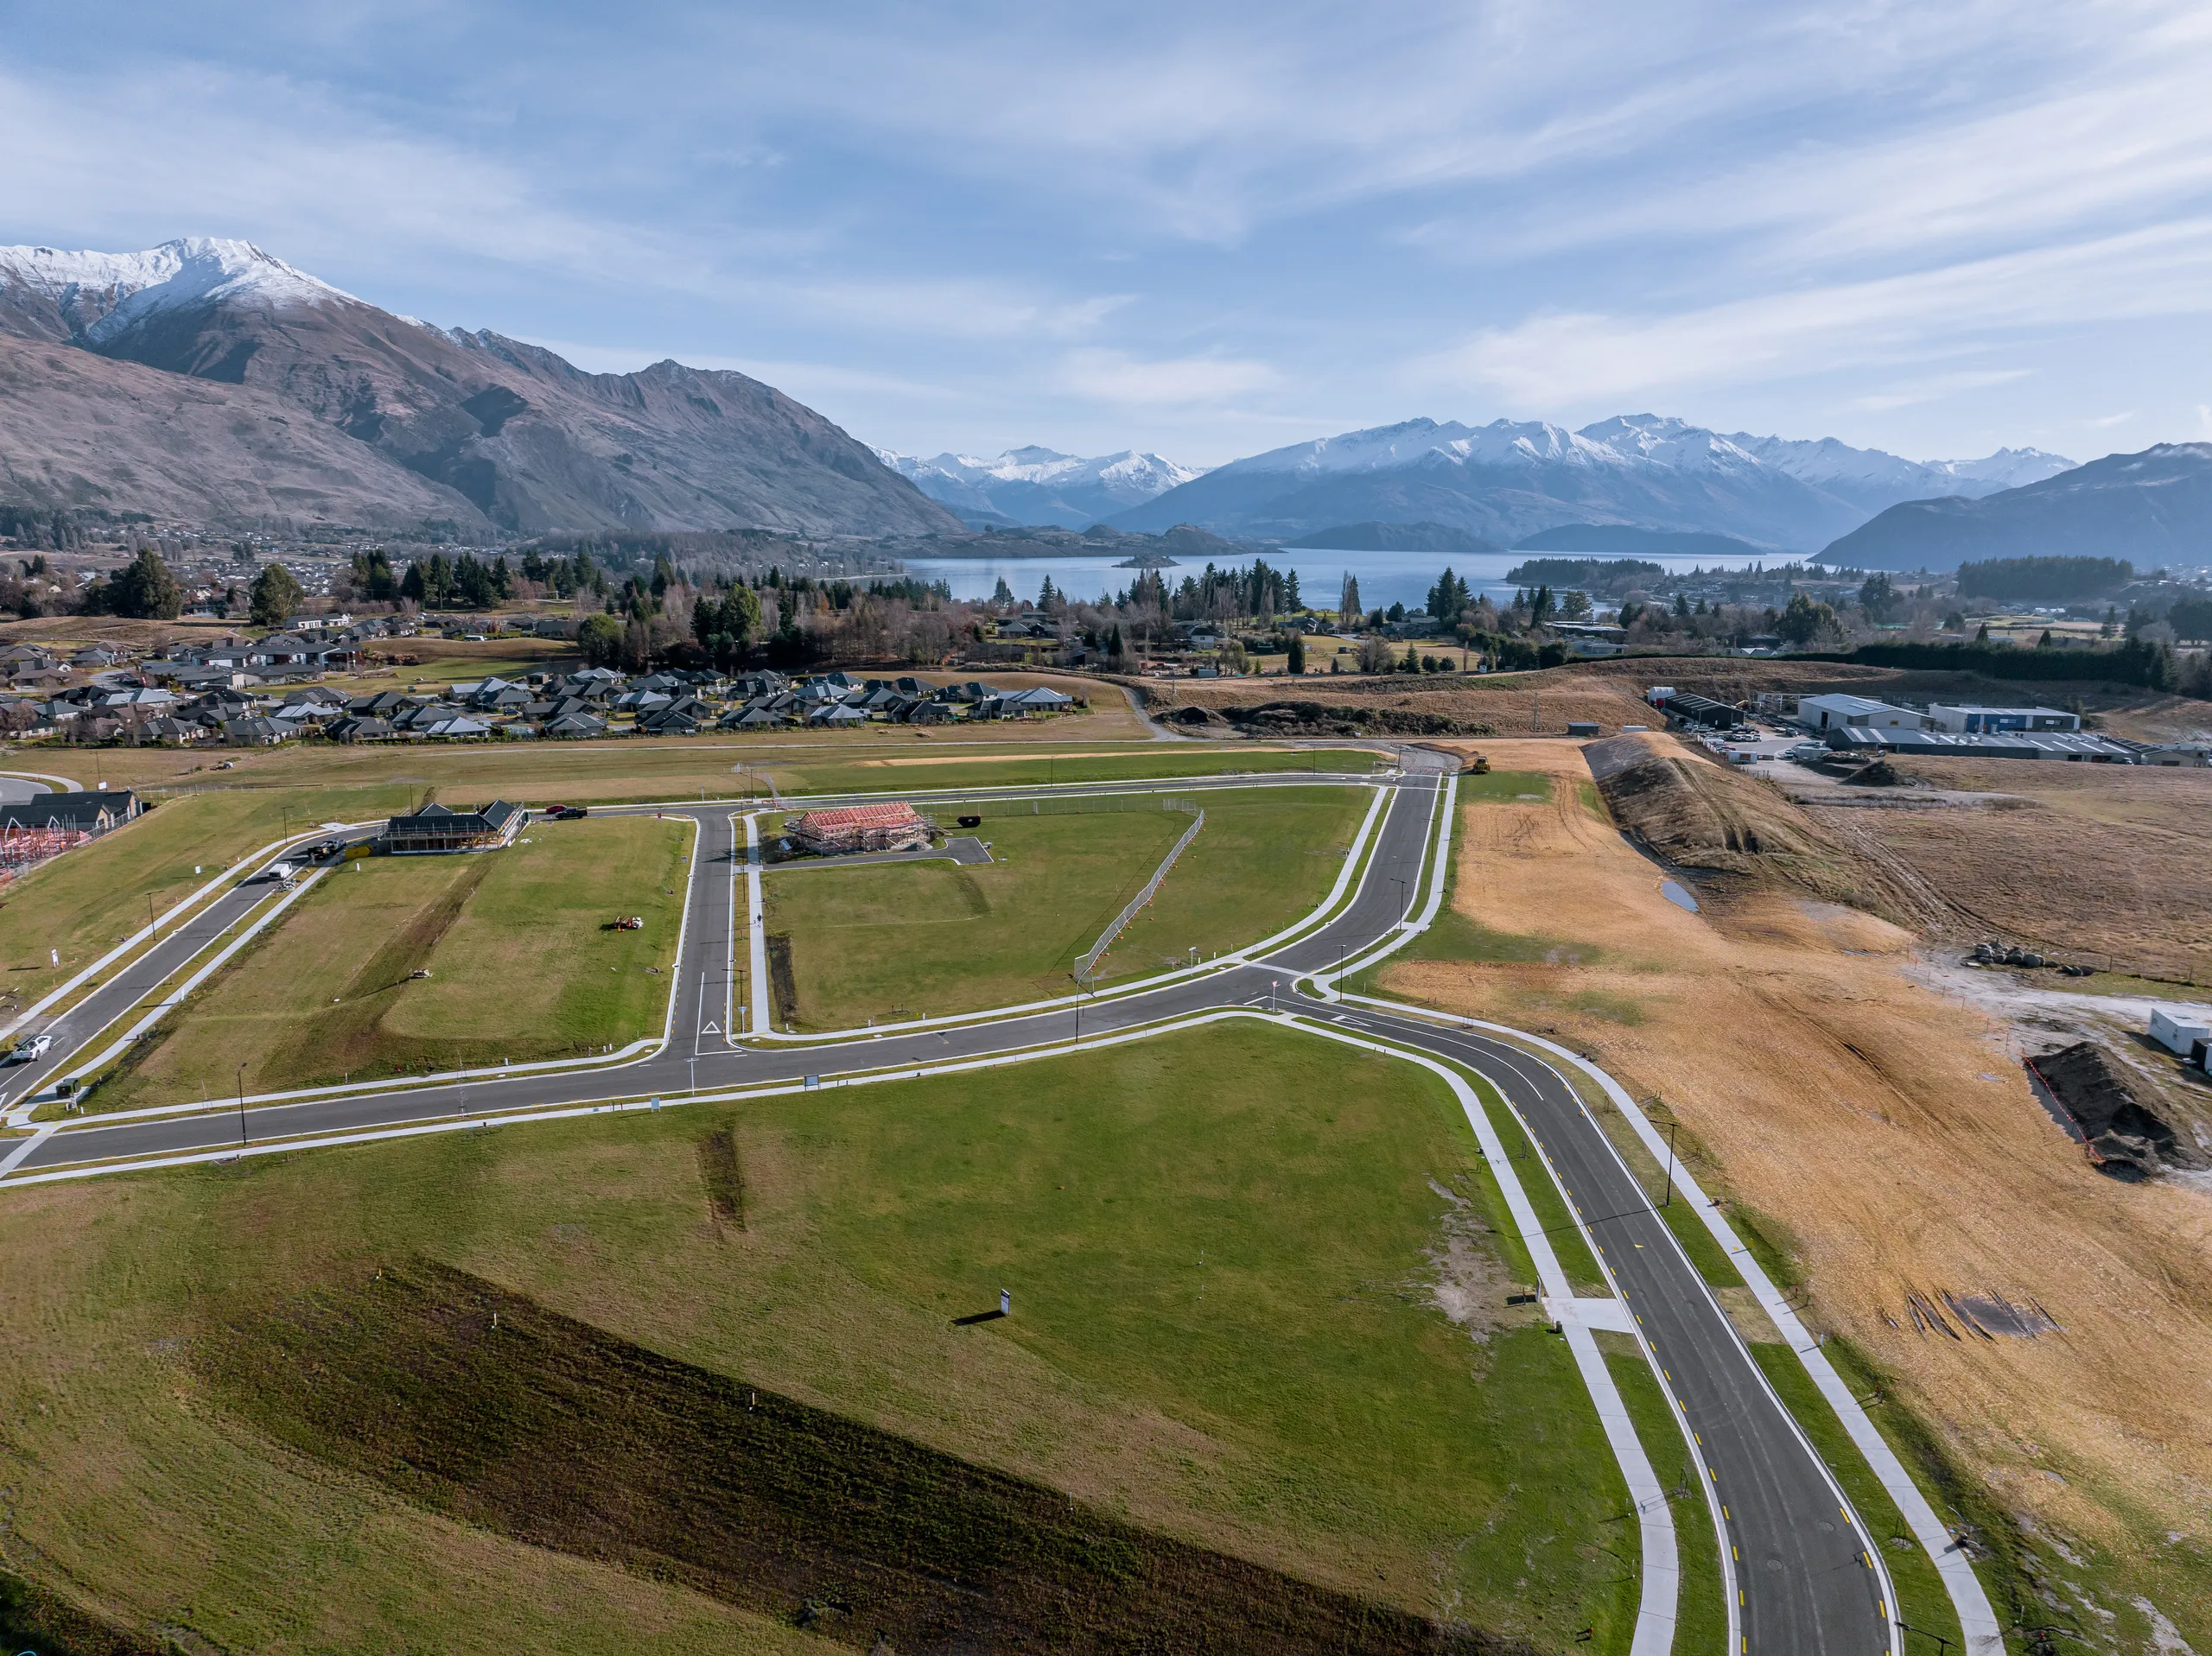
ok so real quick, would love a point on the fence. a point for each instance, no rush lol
(1088, 963)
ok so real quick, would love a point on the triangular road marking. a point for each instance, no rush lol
(712, 1029)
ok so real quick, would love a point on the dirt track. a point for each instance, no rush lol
(1894, 1138)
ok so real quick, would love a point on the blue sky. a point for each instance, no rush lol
(1206, 230)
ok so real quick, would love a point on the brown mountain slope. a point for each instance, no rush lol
(484, 429)
(77, 431)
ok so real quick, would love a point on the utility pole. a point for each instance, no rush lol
(1405, 902)
(153, 925)
(1668, 1201)
(242, 1107)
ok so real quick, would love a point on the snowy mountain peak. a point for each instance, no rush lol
(1034, 485)
(99, 294)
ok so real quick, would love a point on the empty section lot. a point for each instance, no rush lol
(521, 960)
(921, 939)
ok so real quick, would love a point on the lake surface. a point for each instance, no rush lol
(1385, 578)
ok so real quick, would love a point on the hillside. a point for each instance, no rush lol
(2153, 508)
(210, 380)
(1396, 537)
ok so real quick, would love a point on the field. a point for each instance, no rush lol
(86, 901)
(522, 965)
(2013, 862)
(1227, 1251)
(928, 938)
(1882, 1140)
(724, 765)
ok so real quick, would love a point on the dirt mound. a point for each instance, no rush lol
(484, 1405)
(1695, 814)
(1881, 774)
(1344, 718)
(2129, 1140)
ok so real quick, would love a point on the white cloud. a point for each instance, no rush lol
(2105, 423)
(1578, 356)
(1116, 377)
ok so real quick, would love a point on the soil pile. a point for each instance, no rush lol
(1695, 814)
(486, 1407)
(2130, 1141)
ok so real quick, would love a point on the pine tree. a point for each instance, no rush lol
(276, 596)
(1348, 610)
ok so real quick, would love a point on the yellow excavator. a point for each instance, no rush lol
(1478, 764)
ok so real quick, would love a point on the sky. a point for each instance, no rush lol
(1206, 230)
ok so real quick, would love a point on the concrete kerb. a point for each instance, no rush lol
(1657, 1609)
(1977, 1621)
(1356, 858)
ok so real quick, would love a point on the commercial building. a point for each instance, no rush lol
(2076, 745)
(434, 830)
(858, 827)
(1825, 713)
(1971, 719)
(1684, 707)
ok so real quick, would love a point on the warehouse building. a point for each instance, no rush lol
(1971, 719)
(858, 827)
(1821, 714)
(2078, 745)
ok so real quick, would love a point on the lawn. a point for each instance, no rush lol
(1225, 1250)
(923, 939)
(720, 764)
(522, 965)
(86, 901)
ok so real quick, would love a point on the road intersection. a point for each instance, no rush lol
(1803, 1574)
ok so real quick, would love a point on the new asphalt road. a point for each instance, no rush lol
(1801, 1563)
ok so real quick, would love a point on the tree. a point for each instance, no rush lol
(1348, 610)
(143, 589)
(1804, 620)
(600, 639)
(1374, 654)
(1981, 634)
(412, 587)
(1448, 597)
(276, 596)
(1878, 598)
(1575, 605)
(1297, 661)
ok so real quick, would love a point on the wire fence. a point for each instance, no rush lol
(1088, 963)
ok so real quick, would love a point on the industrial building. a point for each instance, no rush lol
(1683, 708)
(1970, 719)
(434, 830)
(858, 827)
(1821, 714)
(2005, 745)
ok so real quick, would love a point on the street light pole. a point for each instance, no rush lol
(1668, 1200)
(1405, 902)
(242, 1107)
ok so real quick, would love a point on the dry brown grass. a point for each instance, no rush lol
(1896, 1140)
(2101, 862)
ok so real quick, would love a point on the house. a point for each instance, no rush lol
(81, 813)
(1039, 699)
(575, 724)
(892, 827)
(836, 715)
(1972, 718)
(452, 726)
(257, 733)
(434, 829)
(1823, 712)
(358, 727)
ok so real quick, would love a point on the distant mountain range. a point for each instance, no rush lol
(1508, 481)
(1394, 537)
(210, 380)
(1040, 485)
(2151, 508)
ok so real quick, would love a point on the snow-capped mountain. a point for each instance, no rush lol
(1512, 478)
(211, 380)
(1041, 486)
(93, 297)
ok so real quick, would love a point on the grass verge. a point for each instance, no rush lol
(1701, 1609)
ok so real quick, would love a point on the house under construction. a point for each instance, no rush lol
(858, 827)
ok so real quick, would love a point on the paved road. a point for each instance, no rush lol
(1806, 1586)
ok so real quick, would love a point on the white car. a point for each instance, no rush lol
(31, 1049)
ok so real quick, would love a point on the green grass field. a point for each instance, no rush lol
(86, 901)
(1225, 1249)
(521, 965)
(923, 939)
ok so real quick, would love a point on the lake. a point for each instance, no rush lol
(1385, 578)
